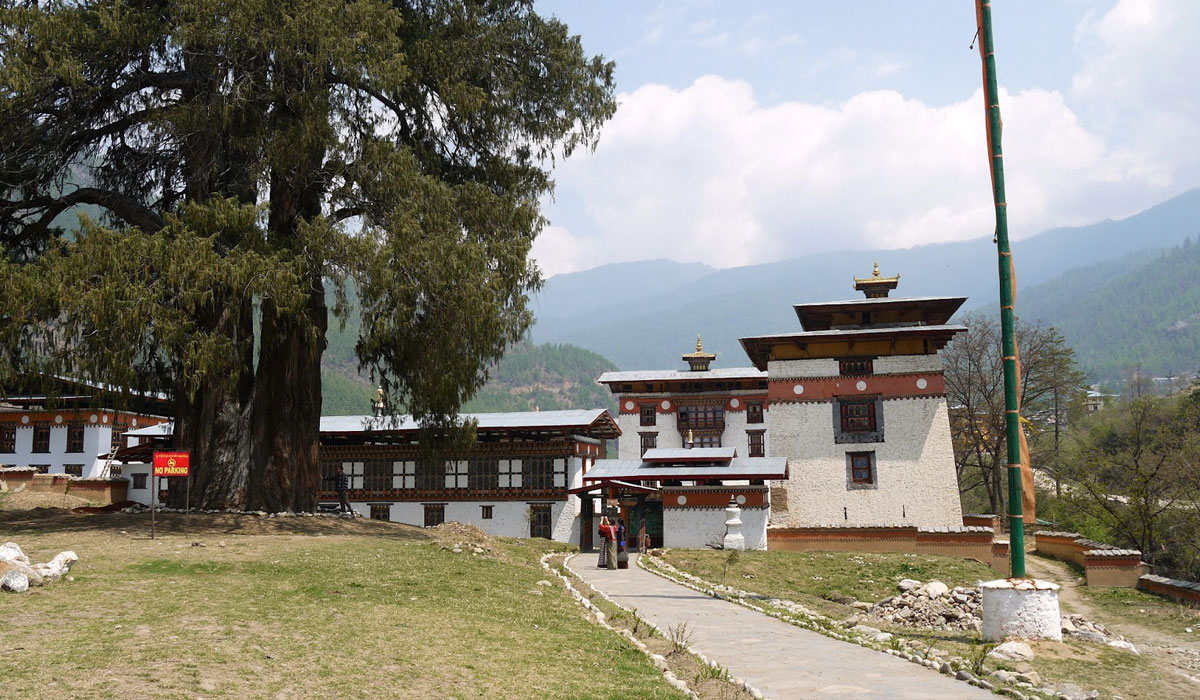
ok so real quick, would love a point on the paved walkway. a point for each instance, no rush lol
(784, 661)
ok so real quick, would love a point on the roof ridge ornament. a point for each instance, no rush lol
(875, 286)
(699, 361)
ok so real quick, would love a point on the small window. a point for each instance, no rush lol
(754, 412)
(435, 514)
(485, 512)
(73, 469)
(861, 466)
(851, 368)
(75, 438)
(757, 443)
(41, 438)
(8, 437)
(381, 511)
(41, 468)
(706, 441)
(649, 441)
(139, 482)
(117, 438)
(649, 415)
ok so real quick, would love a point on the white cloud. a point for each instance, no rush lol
(707, 173)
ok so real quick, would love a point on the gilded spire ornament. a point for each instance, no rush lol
(875, 286)
(699, 361)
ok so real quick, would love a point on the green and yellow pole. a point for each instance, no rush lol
(1012, 420)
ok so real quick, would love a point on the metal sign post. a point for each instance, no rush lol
(153, 501)
(169, 464)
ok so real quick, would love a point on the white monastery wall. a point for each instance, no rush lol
(903, 364)
(95, 442)
(509, 518)
(786, 369)
(915, 480)
(697, 528)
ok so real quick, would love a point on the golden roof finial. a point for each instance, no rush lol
(699, 347)
(875, 272)
(876, 286)
(691, 439)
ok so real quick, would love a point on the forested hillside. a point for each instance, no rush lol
(1139, 312)
(530, 377)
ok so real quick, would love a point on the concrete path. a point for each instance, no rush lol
(785, 662)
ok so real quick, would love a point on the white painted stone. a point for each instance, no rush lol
(1020, 608)
(861, 385)
(934, 589)
(14, 582)
(1012, 651)
(11, 551)
(907, 584)
(1122, 644)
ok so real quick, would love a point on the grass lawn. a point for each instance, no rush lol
(299, 608)
(811, 578)
(817, 579)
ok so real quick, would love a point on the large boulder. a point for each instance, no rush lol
(14, 582)
(10, 551)
(934, 589)
(57, 567)
(1012, 651)
(32, 576)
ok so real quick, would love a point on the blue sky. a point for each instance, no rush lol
(755, 131)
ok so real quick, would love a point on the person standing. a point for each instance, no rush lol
(622, 556)
(610, 546)
(605, 534)
(341, 483)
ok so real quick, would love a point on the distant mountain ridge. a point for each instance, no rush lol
(651, 329)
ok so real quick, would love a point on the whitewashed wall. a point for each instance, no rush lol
(697, 528)
(95, 441)
(509, 518)
(916, 482)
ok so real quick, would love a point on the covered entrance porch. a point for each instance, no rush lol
(639, 506)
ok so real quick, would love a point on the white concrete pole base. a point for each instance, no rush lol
(1021, 608)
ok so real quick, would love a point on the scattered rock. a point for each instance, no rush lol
(1122, 644)
(14, 582)
(861, 605)
(1012, 651)
(964, 675)
(10, 551)
(544, 582)
(934, 589)
(908, 584)
(932, 605)
(946, 669)
(1070, 691)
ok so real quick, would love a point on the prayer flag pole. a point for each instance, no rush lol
(1012, 421)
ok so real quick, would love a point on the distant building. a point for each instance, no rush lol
(698, 407)
(854, 402)
(515, 480)
(68, 433)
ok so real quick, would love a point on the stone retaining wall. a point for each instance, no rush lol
(1104, 564)
(967, 542)
(1185, 591)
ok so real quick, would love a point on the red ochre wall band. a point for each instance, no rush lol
(629, 405)
(890, 386)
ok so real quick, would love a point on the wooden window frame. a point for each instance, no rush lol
(73, 469)
(41, 440)
(75, 437)
(538, 472)
(856, 367)
(857, 419)
(8, 438)
(486, 512)
(535, 509)
(701, 417)
(862, 470)
(435, 514)
(648, 415)
(756, 443)
(649, 441)
(754, 412)
(380, 511)
(483, 473)
(138, 482)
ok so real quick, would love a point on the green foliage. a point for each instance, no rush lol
(1141, 311)
(1132, 470)
(246, 156)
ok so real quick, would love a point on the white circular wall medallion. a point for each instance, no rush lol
(798, 389)
(103, 419)
(94, 418)
(133, 422)
(734, 403)
(24, 420)
(666, 405)
(921, 383)
(58, 419)
(861, 386)
(628, 405)
(741, 500)
(682, 500)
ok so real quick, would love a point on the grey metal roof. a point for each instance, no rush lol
(668, 454)
(637, 470)
(872, 302)
(659, 375)
(576, 418)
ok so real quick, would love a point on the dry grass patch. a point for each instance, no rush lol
(299, 608)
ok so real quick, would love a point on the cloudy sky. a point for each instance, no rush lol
(758, 131)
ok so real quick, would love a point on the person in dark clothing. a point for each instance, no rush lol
(622, 555)
(341, 482)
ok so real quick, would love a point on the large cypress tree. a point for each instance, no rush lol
(241, 156)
